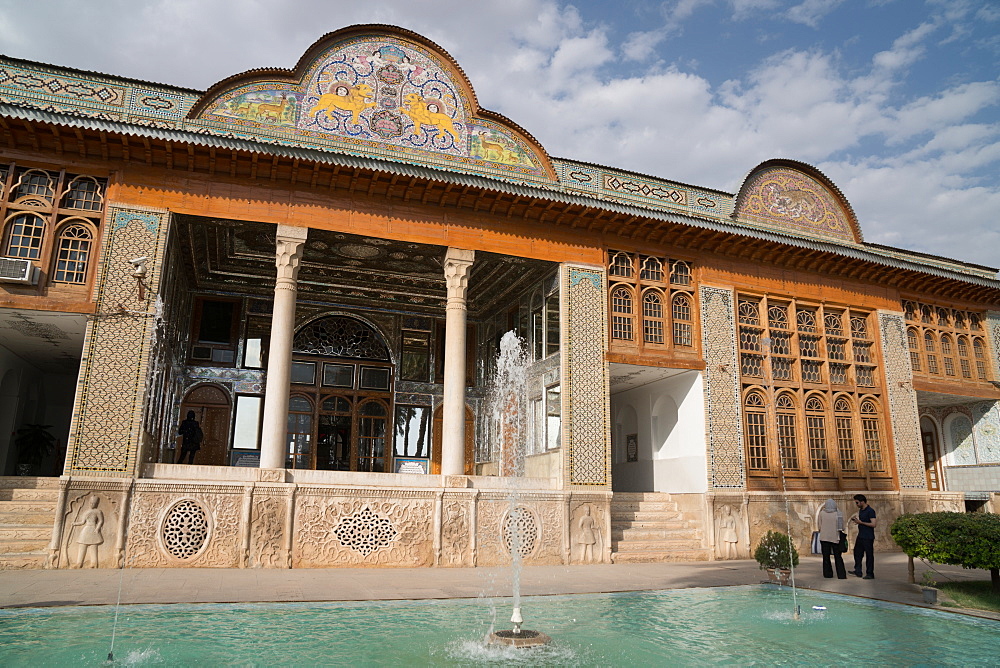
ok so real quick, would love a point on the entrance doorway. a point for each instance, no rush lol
(932, 462)
(210, 404)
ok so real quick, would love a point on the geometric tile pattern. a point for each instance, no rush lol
(106, 428)
(902, 401)
(992, 323)
(586, 411)
(723, 420)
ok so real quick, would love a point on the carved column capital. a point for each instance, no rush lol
(288, 251)
(456, 274)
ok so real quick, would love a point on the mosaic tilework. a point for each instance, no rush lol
(786, 198)
(646, 191)
(106, 428)
(992, 324)
(902, 401)
(722, 390)
(586, 411)
(986, 415)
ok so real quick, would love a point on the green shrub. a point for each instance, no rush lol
(970, 540)
(775, 550)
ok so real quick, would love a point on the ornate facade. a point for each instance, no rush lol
(320, 263)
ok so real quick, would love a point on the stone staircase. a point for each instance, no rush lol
(649, 527)
(27, 513)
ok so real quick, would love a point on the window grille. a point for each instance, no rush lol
(782, 368)
(35, 184)
(683, 327)
(834, 324)
(859, 327)
(812, 372)
(806, 320)
(756, 432)
(777, 316)
(621, 265)
(26, 233)
(83, 192)
(680, 273)
(839, 374)
(872, 437)
(621, 319)
(652, 269)
(652, 317)
(749, 312)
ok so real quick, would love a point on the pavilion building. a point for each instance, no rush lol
(320, 263)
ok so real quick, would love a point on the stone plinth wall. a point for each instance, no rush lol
(747, 516)
(161, 523)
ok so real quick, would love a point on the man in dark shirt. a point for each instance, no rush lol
(864, 546)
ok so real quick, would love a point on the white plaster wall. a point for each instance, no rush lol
(669, 418)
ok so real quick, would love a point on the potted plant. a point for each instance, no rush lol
(776, 554)
(34, 443)
(929, 588)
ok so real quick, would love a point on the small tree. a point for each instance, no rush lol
(969, 540)
(775, 550)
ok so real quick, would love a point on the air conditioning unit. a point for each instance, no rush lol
(18, 270)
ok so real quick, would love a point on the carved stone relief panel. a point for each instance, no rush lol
(267, 544)
(532, 525)
(89, 531)
(343, 529)
(179, 526)
(456, 532)
(730, 529)
(588, 542)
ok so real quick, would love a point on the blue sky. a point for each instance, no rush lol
(897, 101)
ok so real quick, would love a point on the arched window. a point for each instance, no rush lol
(652, 269)
(621, 265)
(872, 433)
(816, 434)
(683, 327)
(621, 313)
(926, 314)
(833, 323)
(963, 357)
(680, 273)
(806, 319)
(979, 350)
(83, 192)
(73, 253)
(755, 431)
(34, 188)
(911, 310)
(777, 316)
(24, 237)
(975, 322)
(913, 342)
(947, 355)
(787, 447)
(859, 327)
(930, 348)
(942, 317)
(960, 322)
(749, 312)
(844, 417)
(652, 317)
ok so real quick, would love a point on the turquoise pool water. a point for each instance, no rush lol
(726, 626)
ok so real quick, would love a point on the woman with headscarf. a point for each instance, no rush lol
(831, 523)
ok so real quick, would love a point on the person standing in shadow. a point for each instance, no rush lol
(831, 524)
(191, 435)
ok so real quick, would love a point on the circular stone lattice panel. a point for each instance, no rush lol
(185, 529)
(519, 532)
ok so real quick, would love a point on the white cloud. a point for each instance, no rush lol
(811, 12)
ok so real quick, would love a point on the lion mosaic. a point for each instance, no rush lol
(423, 111)
(353, 99)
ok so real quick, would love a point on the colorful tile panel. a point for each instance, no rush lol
(902, 401)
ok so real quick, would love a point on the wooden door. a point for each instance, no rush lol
(212, 411)
(470, 441)
(928, 436)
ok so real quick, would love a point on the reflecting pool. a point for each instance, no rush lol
(731, 625)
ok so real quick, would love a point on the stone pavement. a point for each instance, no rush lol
(37, 588)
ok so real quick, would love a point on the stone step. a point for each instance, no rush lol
(663, 546)
(651, 524)
(15, 561)
(645, 516)
(17, 546)
(682, 532)
(25, 531)
(645, 506)
(657, 556)
(27, 506)
(28, 519)
(29, 494)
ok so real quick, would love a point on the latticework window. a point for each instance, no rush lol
(787, 449)
(683, 327)
(37, 186)
(652, 269)
(845, 435)
(652, 317)
(755, 431)
(945, 338)
(820, 363)
(621, 314)
(83, 193)
(979, 348)
(872, 432)
(642, 288)
(25, 235)
(621, 265)
(816, 434)
(73, 254)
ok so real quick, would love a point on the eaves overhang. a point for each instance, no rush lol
(531, 191)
